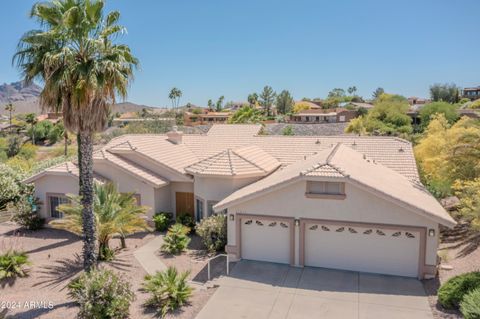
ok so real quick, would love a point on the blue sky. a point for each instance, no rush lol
(209, 48)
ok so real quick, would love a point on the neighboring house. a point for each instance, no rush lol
(344, 202)
(205, 117)
(52, 117)
(413, 100)
(472, 93)
(313, 116)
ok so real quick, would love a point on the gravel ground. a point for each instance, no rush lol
(307, 129)
(463, 259)
(55, 256)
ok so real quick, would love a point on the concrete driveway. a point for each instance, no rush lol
(264, 290)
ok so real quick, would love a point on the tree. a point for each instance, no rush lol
(298, 107)
(10, 108)
(83, 70)
(376, 94)
(115, 213)
(450, 111)
(246, 114)
(352, 90)
(210, 104)
(336, 93)
(175, 95)
(253, 99)
(31, 119)
(266, 99)
(219, 104)
(284, 102)
(445, 92)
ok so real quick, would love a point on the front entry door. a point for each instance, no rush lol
(184, 203)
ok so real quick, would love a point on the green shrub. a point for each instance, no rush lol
(12, 264)
(168, 289)
(162, 221)
(176, 239)
(451, 293)
(106, 253)
(27, 151)
(213, 231)
(14, 144)
(101, 294)
(470, 305)
(24, 212)
(10, 185)
(56, 133)
(186, 220)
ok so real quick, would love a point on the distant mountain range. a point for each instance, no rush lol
(25, 99)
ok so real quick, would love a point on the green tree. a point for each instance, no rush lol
(285, 102)
(252, 99)
(336, 93)
(246, 114)
(175, 95)
(210, 104)
(352, 90)
(83, 70)
(376, 94)
(445, 92)
(31, 118)
(115, 214)
(266, 99)
(219, 104)
(450, 111)
(10, 108)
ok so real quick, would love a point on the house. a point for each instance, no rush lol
(344, 202)
(52, 117)
(205, 117)
(315, 116)
(413, 100)
(472, 93)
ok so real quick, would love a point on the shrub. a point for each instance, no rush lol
(27, 151)
(451, 293)
(12, 264)
(24, 213)
(176, 239)
(186, 220)
(470, 305)
(213, 231)
(10, 186)
(288, 130)
(168, 289)
(162, 221)
(101, 294)
(14, 144)
(55, 133)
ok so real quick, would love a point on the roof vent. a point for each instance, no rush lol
(354, 143)
(401, 150)
(175, 136)
(364, 156)
(317, 142)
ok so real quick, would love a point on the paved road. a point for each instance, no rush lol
(259, 290)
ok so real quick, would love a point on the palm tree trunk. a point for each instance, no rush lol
(123, 243)
(86, 193)
(65, 149)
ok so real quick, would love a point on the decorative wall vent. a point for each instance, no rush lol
(272, 224)
(284, 225)
(368, 232)
(409, 235)
(379, 232)
(325, 228)
(396, 234)
(259, 223)
(314, 227)
(339, 230)
(351, 230)
(248, 222)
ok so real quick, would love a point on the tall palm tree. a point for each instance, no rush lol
(10, 108)
(83, 71)
(115, 214)
(31, 119)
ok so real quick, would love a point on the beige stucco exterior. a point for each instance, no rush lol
(54, 184)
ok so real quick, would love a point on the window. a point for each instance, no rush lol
(210, 205)
(199, 209)
(341, 118)
(53, 202)
(334, 190)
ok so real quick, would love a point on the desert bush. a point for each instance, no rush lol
(27, 151)
(168, 290)
(213, 231)
(14, 144)
(470, 305)
(12, 264)
(186, 220)
(101, 294)
(10, 186)
(451, 293)
(24, 212)
(176, 239)
(162, 221)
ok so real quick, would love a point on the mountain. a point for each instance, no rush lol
(25, 99)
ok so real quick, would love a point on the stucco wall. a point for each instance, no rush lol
(359, 206)
(54, 184)
(163, 199)
(128, 183)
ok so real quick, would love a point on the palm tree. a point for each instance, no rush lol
(83, 71)
(115, 214)
(10, 108)
(31, 119)
(175, 95)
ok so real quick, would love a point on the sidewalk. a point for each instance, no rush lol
(146, 256)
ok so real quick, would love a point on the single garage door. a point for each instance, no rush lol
(265, 240)
(365, 249)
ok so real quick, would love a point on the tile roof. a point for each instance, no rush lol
(351, 166)
(65, 168)
(243, 161)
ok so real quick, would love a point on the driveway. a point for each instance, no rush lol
(264, 290)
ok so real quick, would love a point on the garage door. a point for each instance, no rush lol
(265, 240)
(365, 249)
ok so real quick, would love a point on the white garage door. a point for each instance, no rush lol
(375, 250)
(265, 240)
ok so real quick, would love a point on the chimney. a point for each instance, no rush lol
(175, 136)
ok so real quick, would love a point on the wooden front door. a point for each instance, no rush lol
(184, 203)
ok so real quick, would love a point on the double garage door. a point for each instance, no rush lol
(392, 251)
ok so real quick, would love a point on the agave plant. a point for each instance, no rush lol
(168, 289)
(115, 214)
(176, 239)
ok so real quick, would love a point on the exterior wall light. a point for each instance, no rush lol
(297, 222)
(231, 217)
(431, 232)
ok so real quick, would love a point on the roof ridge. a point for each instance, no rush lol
(333, 152)
(252, 163)
(230, 161)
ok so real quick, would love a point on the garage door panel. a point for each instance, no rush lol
(265, 240)
(376, 250)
